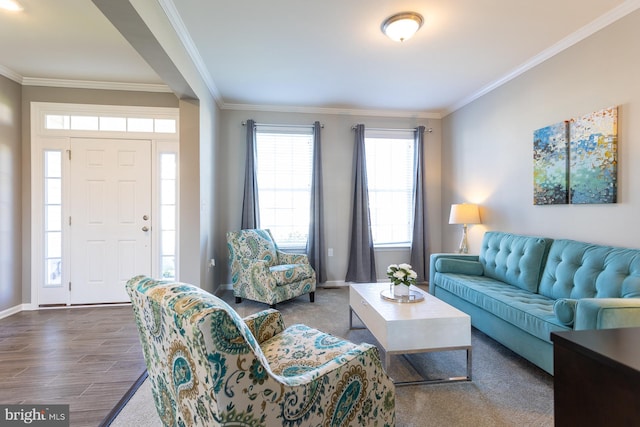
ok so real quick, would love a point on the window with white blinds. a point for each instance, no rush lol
(390, 181)
(284, 167)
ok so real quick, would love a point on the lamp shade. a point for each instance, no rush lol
(465, 213)
(11, 5)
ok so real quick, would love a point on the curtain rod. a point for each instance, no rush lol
(282, 125)
(428, 130)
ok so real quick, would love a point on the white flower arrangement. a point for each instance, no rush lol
(401, 274)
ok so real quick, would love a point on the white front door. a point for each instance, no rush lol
(110, 217)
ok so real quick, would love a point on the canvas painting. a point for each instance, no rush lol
(594, 157)
(550, 165)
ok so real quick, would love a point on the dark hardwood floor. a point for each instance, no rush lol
(85, 357)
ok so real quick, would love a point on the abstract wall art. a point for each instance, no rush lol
(593, 158)
(576, 161)
(550, 164)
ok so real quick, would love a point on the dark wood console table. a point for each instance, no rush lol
(597, 377)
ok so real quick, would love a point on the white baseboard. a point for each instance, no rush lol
(15, 309)
(334, 284)
(31, 307)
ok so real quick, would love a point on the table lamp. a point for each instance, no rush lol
(465, 213)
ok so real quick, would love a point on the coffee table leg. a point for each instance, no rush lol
(351, 320)
(433, 381)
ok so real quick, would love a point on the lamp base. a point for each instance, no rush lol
(464, 244)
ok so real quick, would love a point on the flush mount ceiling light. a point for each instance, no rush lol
(11, 5)
(402, 26)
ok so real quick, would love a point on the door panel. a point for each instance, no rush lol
(110, 197)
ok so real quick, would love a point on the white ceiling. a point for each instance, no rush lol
(302, 54)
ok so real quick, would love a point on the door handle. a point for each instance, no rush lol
(145, 228)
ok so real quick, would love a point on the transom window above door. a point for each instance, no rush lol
(109, 124)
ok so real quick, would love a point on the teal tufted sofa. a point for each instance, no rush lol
(519, 289)
(209, 367)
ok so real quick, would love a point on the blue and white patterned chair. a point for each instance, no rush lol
(261, 272)
(209, 367)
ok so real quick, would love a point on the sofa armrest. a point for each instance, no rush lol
(265, 324)
(433, 259)
(292, 258)
(606, 313)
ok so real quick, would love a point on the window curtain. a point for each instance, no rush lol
(250, 206)
(315, 241)
(362, 266)
(419, 245)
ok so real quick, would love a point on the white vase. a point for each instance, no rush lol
(400, 291)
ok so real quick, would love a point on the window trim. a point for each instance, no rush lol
(294, 130)
(398, 134)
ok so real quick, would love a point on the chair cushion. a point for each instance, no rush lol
(286, 274)
(257, 244)
(299, 349)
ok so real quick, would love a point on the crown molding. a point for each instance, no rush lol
(88, 84)
(177, 23)
(10, 74)
(593, 27)
(331, 110)
(82, 84)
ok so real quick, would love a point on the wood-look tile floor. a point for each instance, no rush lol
(85, 357)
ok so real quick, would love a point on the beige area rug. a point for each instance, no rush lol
(506, 390)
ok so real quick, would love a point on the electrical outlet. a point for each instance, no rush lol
(330, 252)
(212, 262)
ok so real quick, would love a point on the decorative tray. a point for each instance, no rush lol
(412, 297)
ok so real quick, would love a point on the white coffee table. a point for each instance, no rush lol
(416, 327)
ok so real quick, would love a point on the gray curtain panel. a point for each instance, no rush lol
(419, 242)
(362, 265)
(315, 242)
(250, 206)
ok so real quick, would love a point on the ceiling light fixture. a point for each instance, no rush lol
(402, 26)
(11, 5)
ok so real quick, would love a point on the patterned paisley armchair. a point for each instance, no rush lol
(209, 367)
(261, 272)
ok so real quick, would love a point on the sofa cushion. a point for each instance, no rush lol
(529, 311)
(565, 310)
(286, 274)
(514, 259)
(583, 270)
(452, 265)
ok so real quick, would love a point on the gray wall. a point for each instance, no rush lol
(337, 159)
(10, 194)
(488, 145)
